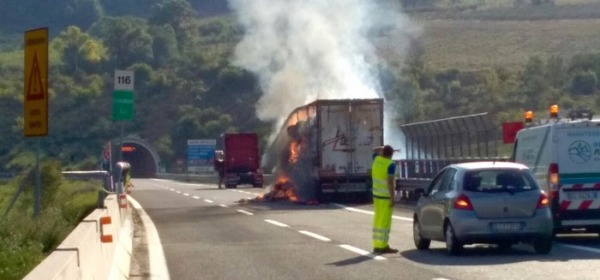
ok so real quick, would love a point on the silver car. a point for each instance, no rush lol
(483, 202)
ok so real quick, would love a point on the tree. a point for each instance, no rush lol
(127, 40)
(584, 83)
(179, 14)
(164, 46)
(78, 49)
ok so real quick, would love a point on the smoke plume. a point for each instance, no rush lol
(303, 50)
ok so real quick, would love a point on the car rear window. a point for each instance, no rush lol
(499, 180)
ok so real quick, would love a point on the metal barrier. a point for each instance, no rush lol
(414, 173)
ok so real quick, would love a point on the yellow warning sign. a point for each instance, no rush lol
(35, 102)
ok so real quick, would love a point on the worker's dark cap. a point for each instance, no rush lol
(388, 150)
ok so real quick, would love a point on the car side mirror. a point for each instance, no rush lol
(420, 192)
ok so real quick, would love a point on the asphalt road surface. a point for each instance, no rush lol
(211, 233)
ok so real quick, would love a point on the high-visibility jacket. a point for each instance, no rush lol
(379, 172)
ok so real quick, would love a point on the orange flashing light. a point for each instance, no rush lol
(554, 111)
(528, 116)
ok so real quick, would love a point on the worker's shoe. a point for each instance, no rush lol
(386, 250)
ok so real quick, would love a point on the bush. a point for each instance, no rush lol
(24, 240)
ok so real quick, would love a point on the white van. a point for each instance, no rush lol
(564, 155)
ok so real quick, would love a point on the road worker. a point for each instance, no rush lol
(219, 165)
(382, 173)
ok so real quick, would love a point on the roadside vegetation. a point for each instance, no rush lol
(26, 240)
(503, 57)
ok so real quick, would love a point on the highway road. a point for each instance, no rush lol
(211, 233)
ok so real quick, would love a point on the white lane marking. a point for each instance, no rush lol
(361, 252)
(177, 191)
(195, 197)
(172, 189)
(314, 235)
(402, 218)
(156, 255)
(223, 205)
(186, 194)
(245, 212)
(583, 248)
(276, 223)
(160, 180)
(208, 200)
(352, 209)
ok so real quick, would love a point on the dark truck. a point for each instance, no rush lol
(241, 160)
(325, 148)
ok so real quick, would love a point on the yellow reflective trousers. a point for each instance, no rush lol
(382, 222)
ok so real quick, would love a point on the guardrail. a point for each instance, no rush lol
(100, 247)
(418, 173)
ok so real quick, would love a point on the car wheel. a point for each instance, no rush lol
(453, 246)
(542, 245)
(420, 242)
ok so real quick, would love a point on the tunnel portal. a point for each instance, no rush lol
(141, 156)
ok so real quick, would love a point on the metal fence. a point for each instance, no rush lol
(433, 145)
(457, 137)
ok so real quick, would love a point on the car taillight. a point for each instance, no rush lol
(463, 203)
(543, 201)
(553, 185)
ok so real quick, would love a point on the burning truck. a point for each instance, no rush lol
(324, 150)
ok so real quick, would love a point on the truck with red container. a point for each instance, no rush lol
(241, 160)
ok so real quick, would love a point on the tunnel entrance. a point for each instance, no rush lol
(141, 157)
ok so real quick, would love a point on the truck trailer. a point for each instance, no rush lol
(241, 160)
(325, 148)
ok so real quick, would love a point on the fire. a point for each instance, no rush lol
(284, 189)
(294, 152)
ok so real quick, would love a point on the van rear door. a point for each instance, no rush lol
(579, 170)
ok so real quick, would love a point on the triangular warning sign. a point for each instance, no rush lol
(35, 89)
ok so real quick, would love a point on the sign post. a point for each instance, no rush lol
(123, 101)
(35, 101)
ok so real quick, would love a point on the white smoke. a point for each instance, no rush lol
(303, 50)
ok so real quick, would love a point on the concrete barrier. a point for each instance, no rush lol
(82, 255)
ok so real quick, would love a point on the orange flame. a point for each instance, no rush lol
(284, 189)
(294, 152)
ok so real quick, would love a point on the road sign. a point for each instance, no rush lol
(122, 105)
(124, 80)
(200, 154)
(123, 96)
(35, 103)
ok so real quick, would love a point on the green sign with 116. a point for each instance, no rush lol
(123, 96)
